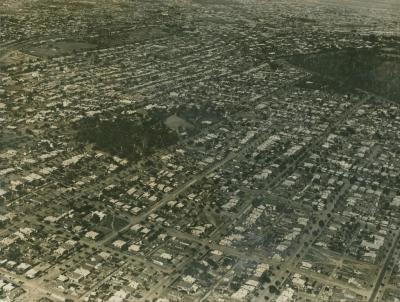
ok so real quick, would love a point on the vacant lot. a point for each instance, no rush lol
(59, 48)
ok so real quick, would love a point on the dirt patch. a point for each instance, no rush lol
(176, 123)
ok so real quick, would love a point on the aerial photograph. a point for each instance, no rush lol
(200, 150)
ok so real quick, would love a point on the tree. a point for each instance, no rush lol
(95, 218)
(265, 278)
(14, 253)
(273, 289)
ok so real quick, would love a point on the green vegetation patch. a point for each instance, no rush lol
(131, 139)
(374, 70)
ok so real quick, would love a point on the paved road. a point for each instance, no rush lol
(34, 287)
(292, 261)
(383, 268)
(138, 219)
